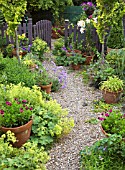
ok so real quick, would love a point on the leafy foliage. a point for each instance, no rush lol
(112, 84)
(13, 12)
(27, 156)
(108, 153)
(15, 73)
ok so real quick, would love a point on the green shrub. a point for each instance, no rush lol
(15, 73)
(116, 37)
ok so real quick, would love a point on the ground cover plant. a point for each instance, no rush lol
(108, 153)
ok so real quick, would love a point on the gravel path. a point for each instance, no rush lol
(78, 98)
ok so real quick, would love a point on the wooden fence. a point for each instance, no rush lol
(41, 29)
(77, 36)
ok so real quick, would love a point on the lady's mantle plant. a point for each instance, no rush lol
(15, 113)
(39, 47)
(29, 155)
(113, 122)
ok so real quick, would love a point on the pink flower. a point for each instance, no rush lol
(1, 112)
(31, 108)
(21, 110)
(27, 107)
(90, 16)
(24, 105)
(15, 99)
(101, 118)
(106, 114)
(24, 101)
(18, 102)
(8, 103)
(110, 110)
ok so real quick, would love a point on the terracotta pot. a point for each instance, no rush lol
(78, 51)
(76, 67)
(22, 133)
(46, 88)
(55, 35)
(103, 131)
(111, 97)
(88, 59)
(20, 53)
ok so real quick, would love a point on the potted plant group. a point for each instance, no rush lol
(16, 116)
(111, 89)
(76, 60)
(113, 122)
(43, 80)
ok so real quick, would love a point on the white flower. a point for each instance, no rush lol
(87, 20)
(95, 20)
(81, 23)
(82, 30)
(66, 20)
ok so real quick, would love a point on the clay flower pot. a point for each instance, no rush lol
(46, 88)
(75, 67)
(22, 133)
(111, 97)
(88, 59)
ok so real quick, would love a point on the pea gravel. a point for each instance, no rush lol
(77, 98)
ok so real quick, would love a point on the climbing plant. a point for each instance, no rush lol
(13, 11)
(109, 13)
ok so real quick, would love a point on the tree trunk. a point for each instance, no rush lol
(17, 46)
(103, 49)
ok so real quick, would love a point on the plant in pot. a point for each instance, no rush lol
(111, 89)
(76, 60)
(39, 47)
(16, 116)
(113, 122)
(88, 7)
(43, 80)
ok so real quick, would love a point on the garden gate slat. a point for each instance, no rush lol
(41, 29)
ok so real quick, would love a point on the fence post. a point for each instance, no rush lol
(30, 30)
(66, 29)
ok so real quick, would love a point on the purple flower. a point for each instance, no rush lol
(64, 48)
(18, 102)
(101, 118)
(84, 9)
(106, 114)
(84, 3)
(29, 47)
(90, 4)
(1, 112)
(110, 110)
(24, 101)
(8, 103)
(24, 48)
